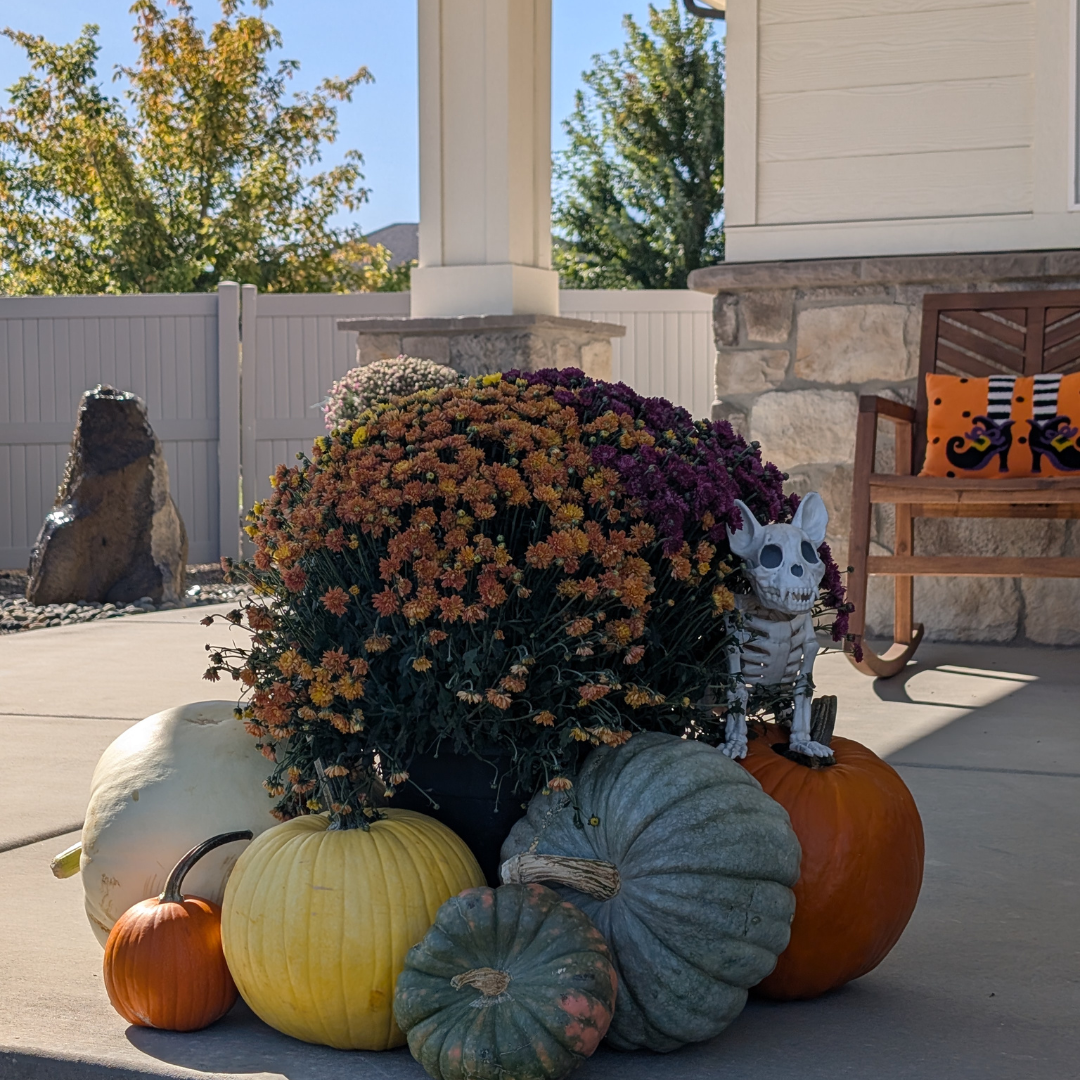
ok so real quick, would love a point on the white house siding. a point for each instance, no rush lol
(890, 127)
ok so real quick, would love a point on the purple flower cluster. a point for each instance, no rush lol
(696, 468)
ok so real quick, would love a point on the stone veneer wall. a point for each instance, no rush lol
(798, 342)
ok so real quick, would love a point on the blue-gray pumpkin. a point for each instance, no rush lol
(684, 864)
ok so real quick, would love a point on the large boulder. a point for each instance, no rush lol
(115, 535)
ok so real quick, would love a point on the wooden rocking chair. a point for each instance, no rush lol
(976, 334)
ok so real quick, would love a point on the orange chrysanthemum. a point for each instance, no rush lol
(335, 600)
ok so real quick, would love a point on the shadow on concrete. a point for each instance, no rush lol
(242, 1044)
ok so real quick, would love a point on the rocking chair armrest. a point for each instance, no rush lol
(895, 411)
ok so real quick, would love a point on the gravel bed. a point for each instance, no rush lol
(204, 586)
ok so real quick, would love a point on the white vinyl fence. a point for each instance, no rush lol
(293, 351)
(668, 350)
(227, 416)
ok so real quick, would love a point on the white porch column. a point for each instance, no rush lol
(485, 160)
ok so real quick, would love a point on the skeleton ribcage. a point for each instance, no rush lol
(773, 655)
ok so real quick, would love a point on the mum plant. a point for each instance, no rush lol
(358, 389)
(524, 565)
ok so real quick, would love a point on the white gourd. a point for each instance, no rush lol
(163, 786)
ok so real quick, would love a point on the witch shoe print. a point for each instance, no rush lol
(1054, 438)
(988, 438)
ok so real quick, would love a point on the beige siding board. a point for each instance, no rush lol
(919, 119)
(741, 114)
(808, 11)
(896, 49)
(896, 186)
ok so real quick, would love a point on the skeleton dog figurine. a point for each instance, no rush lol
(777, 645)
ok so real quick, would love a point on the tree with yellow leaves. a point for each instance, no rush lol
(197, 174)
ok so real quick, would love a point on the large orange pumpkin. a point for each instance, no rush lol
(862, 861)
(164, 966)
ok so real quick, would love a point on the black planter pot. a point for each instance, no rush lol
(460, 786)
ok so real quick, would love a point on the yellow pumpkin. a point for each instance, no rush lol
(316, 922)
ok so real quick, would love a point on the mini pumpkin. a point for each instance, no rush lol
(164, 967)
(862, 864)
(685, 868)
(508, 982)
(316, 921)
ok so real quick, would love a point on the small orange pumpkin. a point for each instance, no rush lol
(164, 966)
(862, 861)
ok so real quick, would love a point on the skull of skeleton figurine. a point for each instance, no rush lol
(782, 560)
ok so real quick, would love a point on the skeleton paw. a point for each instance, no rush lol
(810, 749)
(736, 748)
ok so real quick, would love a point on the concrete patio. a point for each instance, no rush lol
(983, 985)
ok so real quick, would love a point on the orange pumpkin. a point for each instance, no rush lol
(164, 966)
(862, 861)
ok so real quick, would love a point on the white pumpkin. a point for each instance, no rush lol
(166, 784)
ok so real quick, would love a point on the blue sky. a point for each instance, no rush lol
(334, 37)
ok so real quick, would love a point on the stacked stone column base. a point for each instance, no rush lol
(483, 344)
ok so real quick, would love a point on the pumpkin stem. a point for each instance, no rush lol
(594, 877)
(822, 722)
(823, 719)
(171, 893)
(488, 981)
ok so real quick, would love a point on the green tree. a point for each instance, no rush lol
(639, 191)
(203, 172)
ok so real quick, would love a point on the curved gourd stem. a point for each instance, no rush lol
(66, 864)
(171, 893)
(594, 877)
(489, 981)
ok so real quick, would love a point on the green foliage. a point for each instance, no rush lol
(640, 190)
(201, 174)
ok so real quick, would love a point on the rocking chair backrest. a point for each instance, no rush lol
(1001, 333)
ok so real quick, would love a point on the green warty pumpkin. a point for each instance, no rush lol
(685, 866)
(508, 984)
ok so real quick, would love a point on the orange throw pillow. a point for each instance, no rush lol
(1002, 426)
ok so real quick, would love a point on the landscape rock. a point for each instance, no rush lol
(115, 534)
(854, 343)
